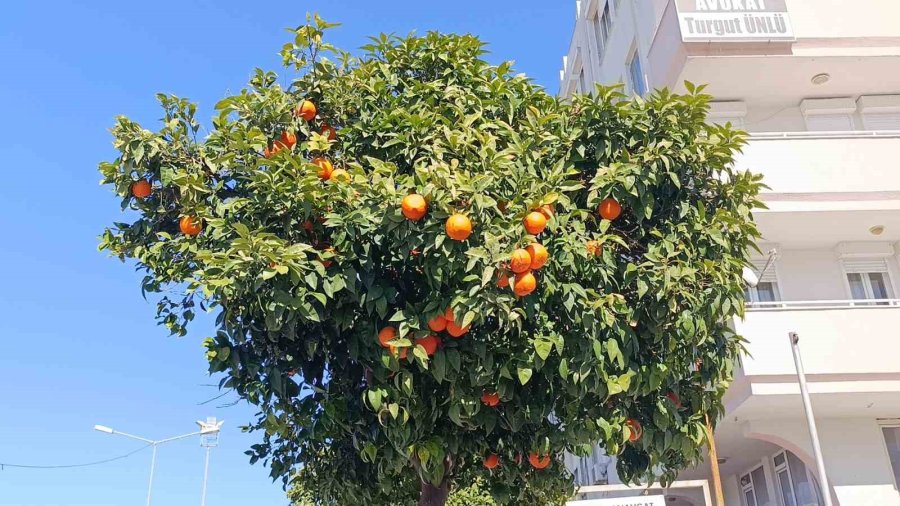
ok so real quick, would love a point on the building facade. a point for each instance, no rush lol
(817, 85)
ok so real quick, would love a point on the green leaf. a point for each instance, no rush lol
(543, 348)
(524, 374)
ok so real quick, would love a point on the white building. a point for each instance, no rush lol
(817, 84)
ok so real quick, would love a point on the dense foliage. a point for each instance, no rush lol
(286, 221)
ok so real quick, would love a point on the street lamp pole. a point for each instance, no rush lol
(205, 429)
(810, 418)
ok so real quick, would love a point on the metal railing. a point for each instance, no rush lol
(818, 305)
(848, 134)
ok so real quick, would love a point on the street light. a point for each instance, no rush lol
(206, 428)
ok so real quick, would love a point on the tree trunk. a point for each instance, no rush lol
(434, 496)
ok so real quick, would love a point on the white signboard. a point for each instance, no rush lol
(643, 500)
(734, 20)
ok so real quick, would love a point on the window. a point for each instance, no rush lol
(797, 485)
(892, 440)
(602, 24)
(767, 289)
(636, 75)
(582, 82)
(755, 488)
(868, 279)
(607, 20)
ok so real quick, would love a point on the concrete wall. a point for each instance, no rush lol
(810, 275)
(856, 461)
(844, 18)
(798, 165)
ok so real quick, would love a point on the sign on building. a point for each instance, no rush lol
(643, 500)
(734, 20)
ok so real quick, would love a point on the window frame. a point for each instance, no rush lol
(635, 55)
(887, 452)
(867, 285)
(786, 467)
(750, 487)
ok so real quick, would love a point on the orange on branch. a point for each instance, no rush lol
(430, 343)
(190, 225)
(386, 335)
(491, 461)
(340, 176)
(141, 189)
(537, 461)
(547, 211)
(490, 399)
(326, 169)
(524, 284)
(635, 430)
(438, 323)
(288, 139)
(539, 255)
(535, 223)
(455, 330)
(502, 279)
(414, 207)
(306, 110)
(329, 132)
(459, 227)
(520, 261)
(610, 209)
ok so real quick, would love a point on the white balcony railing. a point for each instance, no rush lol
(838, 336)
(813, 305)
(837, 134)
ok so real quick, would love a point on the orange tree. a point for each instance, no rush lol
(428, 272)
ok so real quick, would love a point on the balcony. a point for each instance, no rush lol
(838, 163)
(847, 347)
(837, 336)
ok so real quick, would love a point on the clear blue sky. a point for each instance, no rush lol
(79, 344)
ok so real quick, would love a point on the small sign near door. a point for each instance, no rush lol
(643, 500)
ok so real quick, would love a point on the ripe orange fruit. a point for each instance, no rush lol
(190, 225)
(520, 261)
(594, 248)
(386, 335)
(287, 139)
(329, 131)
(535, 223)
(490, 399)
(340, 176)
(430, 343)
(636, 431)
(325, 168)
(414, 206)
(538, 462)
(306, 110)
(455, 330)
(547, 211)
(524, 284)
(502, 279)
(491, 461)
(141, 189)
(401, 353)
(610, 209)
(539, 255)
(438, 323)
(448, 314)
(459, 227)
